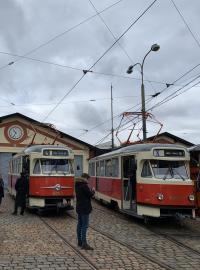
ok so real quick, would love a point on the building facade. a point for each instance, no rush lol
(17, 131)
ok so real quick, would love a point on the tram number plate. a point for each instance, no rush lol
(175, 198)
(56, 192)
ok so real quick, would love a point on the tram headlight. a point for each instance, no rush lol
(191, 197)
(160, 196)
(57, 187)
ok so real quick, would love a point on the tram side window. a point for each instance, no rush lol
(14, 169)
(115, 167)
(146, 170)
(125, 167)
(37, 169)
(98, 168)
(18, 165)
(13, 166)
(92, 169)
(71, 166)
(108, 168)
(102, 168)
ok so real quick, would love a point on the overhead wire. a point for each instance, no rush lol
(115, 116)
(149, 99)
(186, 73)
(59, 35)
(122, 48)
(108, 28)
(186, 24)
(174, 82)
(178, 90)
(110, 47)
(64, 103)
(102, 139)
(78, 69)
(165, 101)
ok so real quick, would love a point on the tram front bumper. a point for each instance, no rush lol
(50, 203)
(167, 211)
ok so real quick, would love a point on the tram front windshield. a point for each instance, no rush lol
(164, 169)
(53, 166)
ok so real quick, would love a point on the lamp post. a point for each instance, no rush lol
(154, 48)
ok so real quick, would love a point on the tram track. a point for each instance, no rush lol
(176, 241)
(136, 249)
(167, 236)
(170, 237)
(153, 260)
(76, 250)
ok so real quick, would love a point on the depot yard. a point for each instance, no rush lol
(48, 241)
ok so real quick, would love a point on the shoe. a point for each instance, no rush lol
(87, 247)
(14, 213)
(21, 214)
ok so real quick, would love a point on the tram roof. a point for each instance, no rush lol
(195, 148)
(141, 148)
(39, 148)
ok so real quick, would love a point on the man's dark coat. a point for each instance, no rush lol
(21, 188)
(1, 188)
(83, 197)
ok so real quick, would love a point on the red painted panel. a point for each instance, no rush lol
(38, 186)
(108, 186)
(176, 195)
(92, 182)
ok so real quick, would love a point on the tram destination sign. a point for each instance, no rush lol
(168, 153)
(55, 152)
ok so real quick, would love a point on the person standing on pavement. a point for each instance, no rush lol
(1, 189)
(21, 188)
(83, 209)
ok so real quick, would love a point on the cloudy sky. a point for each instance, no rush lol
(46, 45)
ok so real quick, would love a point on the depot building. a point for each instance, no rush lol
(17, 131)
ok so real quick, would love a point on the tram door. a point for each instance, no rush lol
(128, 182)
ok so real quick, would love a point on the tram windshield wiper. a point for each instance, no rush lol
(174, 170)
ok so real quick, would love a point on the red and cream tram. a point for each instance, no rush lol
(49, 171)
(148, 180)
(195, 173)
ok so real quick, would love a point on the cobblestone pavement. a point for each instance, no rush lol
(107, 254)
(27, 243)
(130, 231)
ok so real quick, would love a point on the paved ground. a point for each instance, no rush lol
(27, 243)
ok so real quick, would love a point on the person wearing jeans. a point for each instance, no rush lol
(83, 209)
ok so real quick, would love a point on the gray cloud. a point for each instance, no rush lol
(34, 85)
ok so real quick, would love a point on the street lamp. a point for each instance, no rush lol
(154, 48)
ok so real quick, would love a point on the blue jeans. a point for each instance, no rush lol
(83, 222)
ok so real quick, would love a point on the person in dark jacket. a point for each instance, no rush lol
(83, 209)
(21, 188)
(1, 189)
